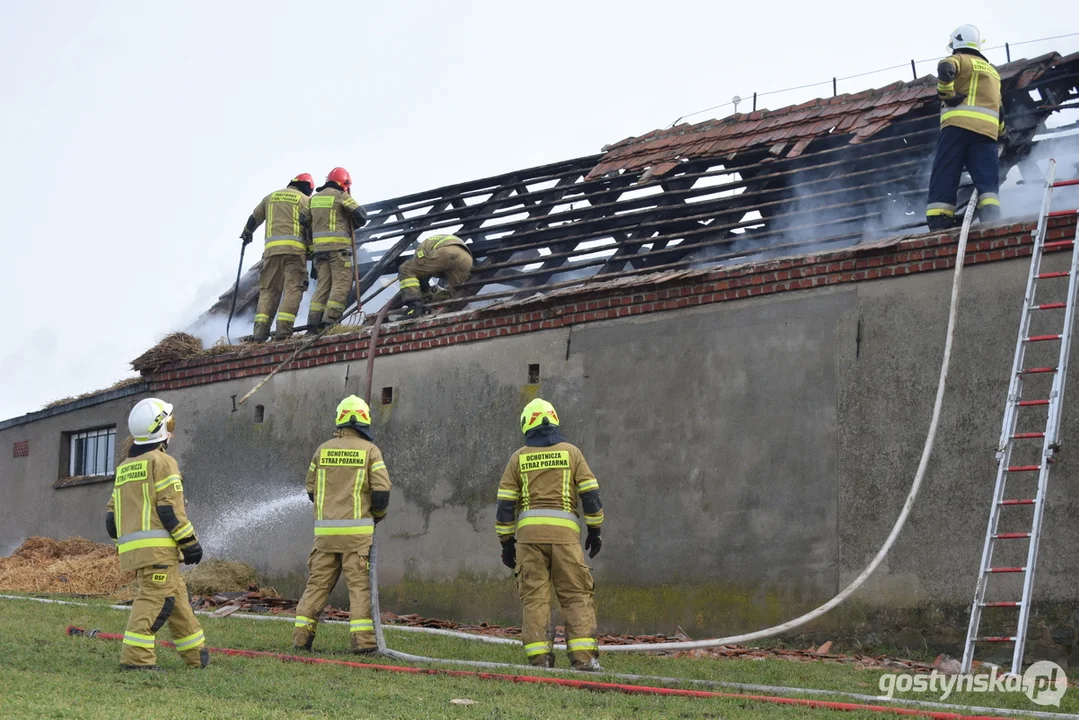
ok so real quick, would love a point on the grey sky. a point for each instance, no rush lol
(135, 137)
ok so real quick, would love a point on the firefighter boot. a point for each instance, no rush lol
(262, 331)
(989, 214)
(542, 661)
(302, 639)
(284, 330)
(314, 320)
(591, 665)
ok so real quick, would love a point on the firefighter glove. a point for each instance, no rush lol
(314, 270)
(192, 553)
(246, 236)
(592, 543)
(955, 100)
(509, 553)
(311, 497)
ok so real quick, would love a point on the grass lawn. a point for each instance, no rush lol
(44, 674)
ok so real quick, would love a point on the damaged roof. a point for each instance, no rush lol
(825, 173)
(788, 131)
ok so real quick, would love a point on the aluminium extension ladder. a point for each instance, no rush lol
(1009, 437)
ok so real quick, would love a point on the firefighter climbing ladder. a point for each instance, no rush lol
(1009, 437)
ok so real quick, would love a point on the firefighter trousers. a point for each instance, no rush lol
(324, 568)
(957, 149)
(541, 568)
(162, 598)
(280, 291)
(451, 263)
(334, 270)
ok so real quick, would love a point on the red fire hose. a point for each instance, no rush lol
(564, 682)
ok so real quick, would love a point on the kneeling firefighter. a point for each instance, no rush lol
(146, 518)
(443, 256)
(350, 487)
(537, 498)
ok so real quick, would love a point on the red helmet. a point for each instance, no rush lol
(340, 176)
(304, 177)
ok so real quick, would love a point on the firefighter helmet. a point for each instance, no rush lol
(538, 413)
(353, 411)
(151, 421)
(965, 36)
(340, 176)
(301, 179)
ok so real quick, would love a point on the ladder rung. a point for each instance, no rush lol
(1035, 371)
(1024, 468)
(1049, 306)
(1058, 244)
(1062, 213)
(1043, 338)
(1028, 436)
(1047, 275)
(1018, 502)
(1001, 604)
(1029, 403)
(1065, 183)
(1011, 536)
(996, 639)
(1006, 570)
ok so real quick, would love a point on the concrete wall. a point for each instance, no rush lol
(752, 455)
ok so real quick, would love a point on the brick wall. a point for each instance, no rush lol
(626, 297)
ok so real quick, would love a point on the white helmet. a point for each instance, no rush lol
(150, 421)
(965, 36)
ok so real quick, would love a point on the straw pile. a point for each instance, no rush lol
(217, 576)
(73, 566)
(172, 348)
(118, 385)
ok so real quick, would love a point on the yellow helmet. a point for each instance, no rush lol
(353, 411)
(537, 413)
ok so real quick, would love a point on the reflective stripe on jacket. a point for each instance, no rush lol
(342, 475)
(331, 220)
(142, 485)
(975, 80)
(433, 243)
(287, 218)
(544, 487)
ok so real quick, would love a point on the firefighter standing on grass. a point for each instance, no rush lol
(146, 518)
(443, 256)
(971, 124)
(284, 257)
(537, 499)
(350, 488)
(334, 217)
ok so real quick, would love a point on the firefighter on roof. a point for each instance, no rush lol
(443, 256)
(146, 518)
(350, 488)
(971, 124)
(284, 257)
(537, 500)
(334, 217)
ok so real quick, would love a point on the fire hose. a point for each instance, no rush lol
(619, 676)
(589, 684)
(813, 614)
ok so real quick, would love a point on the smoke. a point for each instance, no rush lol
(1021, 192)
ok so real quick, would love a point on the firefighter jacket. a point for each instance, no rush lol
(331, 220)
(433, 243)
(287, 219)
(969, 90)
(146, 511)
(348, 482)
(538, 495)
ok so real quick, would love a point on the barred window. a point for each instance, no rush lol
(92, 452)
